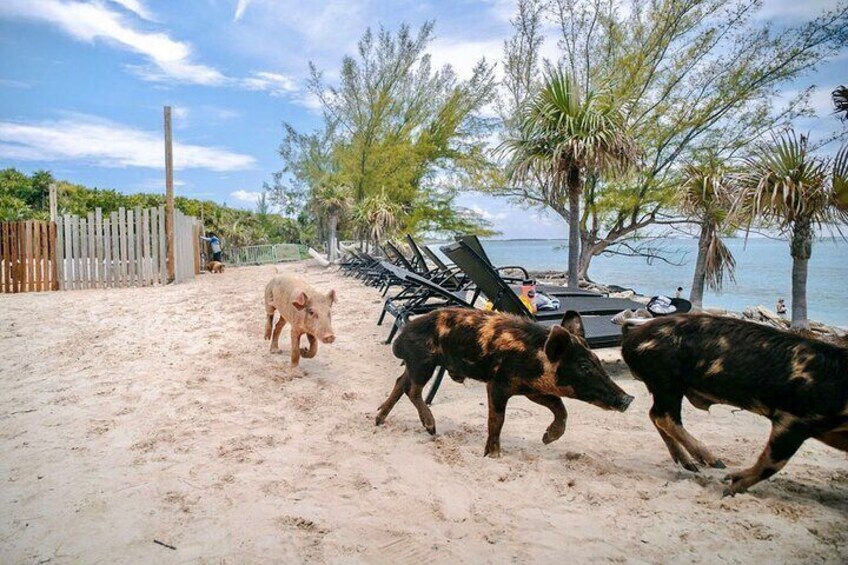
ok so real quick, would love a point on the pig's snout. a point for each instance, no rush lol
(624, 402)
(329, 338)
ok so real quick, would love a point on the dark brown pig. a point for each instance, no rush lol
(306, 309)
(800, 384)
(512, 355)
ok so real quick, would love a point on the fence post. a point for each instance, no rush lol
(169, 196)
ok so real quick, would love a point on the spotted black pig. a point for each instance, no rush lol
(800, 384)
(512, 355)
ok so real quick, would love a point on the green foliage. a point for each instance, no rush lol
(696, 77)
(395, 131)
(24, 198)
(563, 136)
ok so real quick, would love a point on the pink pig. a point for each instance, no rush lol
(306, 309)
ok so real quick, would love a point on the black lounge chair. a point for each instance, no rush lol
(473, 242)
(596, 311)
(419, 296)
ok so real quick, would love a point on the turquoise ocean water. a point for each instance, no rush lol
(763, 272)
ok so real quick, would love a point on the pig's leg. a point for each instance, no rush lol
(787, 435)
(313, 347)
(836, 439)
(401, 384)
(417, 380)
(269, 320)
(664, 422)
(295, 347)
(275, 339)
(670, 422)
(555, 405)
(497, 411)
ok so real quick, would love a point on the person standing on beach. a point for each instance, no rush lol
(679, 292)
(215, 244)
(781, 307)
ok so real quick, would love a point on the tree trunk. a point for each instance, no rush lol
(332, 245)
(573, 228)
(801, 248)
(696, 295)
(587, 252)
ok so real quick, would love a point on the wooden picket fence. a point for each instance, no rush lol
(28, 256)
(127, 248)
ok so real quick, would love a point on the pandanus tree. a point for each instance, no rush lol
(788, 187)
(705, 197)
(334, 200)
(840, 102)
(563, 136)
(377, 216)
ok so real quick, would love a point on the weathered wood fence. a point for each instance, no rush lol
(125, 248)
(28, 256)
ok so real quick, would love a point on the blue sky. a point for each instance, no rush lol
(83, 83)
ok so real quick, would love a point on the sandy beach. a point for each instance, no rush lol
(130, 416)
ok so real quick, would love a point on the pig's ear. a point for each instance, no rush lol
(558, 342)
(573, 323)
(332, 296)
(299, 301)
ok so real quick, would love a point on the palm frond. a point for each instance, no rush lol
(840, 102)
(784, 183)
(840, 179)
(720, 263)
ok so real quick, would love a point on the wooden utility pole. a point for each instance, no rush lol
(54, 202)
(169, 196)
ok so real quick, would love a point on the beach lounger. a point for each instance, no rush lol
(419, 296)
(473, 242)
(596, 311)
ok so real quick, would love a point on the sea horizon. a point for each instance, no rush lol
(763, 271)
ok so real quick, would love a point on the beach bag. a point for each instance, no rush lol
(546, 302)
(661, 306)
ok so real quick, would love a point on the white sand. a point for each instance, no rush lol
(140, 414)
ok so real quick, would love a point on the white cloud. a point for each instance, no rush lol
(274, 83)
(486, 215)
(136, 7)
(241, 6)
(11, 83)
(463, 55)
(793, 10)
(95, 21)
(108, 144)
(246, 196)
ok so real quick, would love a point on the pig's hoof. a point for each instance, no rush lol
(552, 435)
(689, 466)
(493, 452)
(718, 464)
(379, 419)
(733, 489)
(431, 429)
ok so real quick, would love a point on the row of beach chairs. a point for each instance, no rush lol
(425, 282)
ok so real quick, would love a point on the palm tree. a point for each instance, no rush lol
(790, 188)
(705, 197)
(840, 178)
(840, 102)
(334, 200)
(561, 139)
(377, 215)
